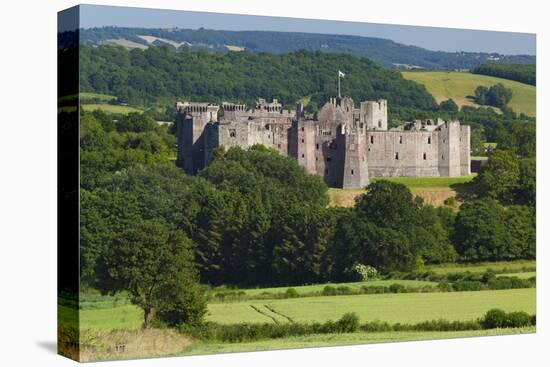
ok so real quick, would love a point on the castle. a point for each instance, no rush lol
(344, 145)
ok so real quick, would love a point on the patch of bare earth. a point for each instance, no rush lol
(432, 196)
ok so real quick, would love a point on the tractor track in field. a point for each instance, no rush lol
(279, 313)
(257, 309)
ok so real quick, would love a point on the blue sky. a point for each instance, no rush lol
(432, 38)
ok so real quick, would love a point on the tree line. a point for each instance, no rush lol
(524, 73)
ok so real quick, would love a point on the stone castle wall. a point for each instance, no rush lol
(345, 145)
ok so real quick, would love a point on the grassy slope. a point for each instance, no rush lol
(110, 108)
(404, 307)
(458, 85)
(319, 340)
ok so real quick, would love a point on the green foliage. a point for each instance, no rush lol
(519, 72)
(149, 77)
(497, 318)
(497, 95)
(155, 264)
(485, 230)
(499, 178)
(448, 105)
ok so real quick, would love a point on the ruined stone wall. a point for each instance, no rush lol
(402, 153)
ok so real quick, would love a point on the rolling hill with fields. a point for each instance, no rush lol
(388, 53)
(461, 85)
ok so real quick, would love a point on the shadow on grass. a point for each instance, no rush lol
(465, 190)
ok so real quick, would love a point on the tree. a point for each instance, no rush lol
(526, 193)
(448, 105)
(499, 178)
(480, 231)
(481, 95)
(388, 204)
(155, 265)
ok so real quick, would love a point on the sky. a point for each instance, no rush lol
(431, 38)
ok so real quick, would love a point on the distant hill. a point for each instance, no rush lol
(385, 52)
(461, 85)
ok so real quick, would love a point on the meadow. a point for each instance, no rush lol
(434, 190)
(459, 85)
(109, 108)
(392, 308)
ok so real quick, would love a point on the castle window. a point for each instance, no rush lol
(443, 141)
(352, 172)
(266, 126)
(232, 133)
(329, 159)
(429, 139)
(441, 156)
(424, 156)
(397, 155)
(317, 146)
(372, 139)
(279, 146)
(379, 123)
(400, 140)
(303, 156)
(302, 128)
(361, 125)
(302, 140)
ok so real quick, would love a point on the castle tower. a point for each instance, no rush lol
(374, 114)
(302, 144)
(355, 173)
(465, 166)
(449, 149)
(191, 121)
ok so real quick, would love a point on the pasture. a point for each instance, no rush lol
(459, 85)
(109, 108)
(392, 308)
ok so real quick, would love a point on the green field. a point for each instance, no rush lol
(459, 85)
(499, 266)
(110, 108)
(98, 96)
(321, 340)
(427, 182)
(393, 308)
(319, 287)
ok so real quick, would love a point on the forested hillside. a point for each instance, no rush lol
(146, 77)
(385, 52)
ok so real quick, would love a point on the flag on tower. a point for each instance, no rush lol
(340, 74)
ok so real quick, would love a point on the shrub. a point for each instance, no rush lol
(397, 288)
(444, 287)
(329, 290)
(291, 293)
(348, 323)
(364, 272)
(496, 318)
(467, 285)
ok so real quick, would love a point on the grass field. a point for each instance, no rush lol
(321, 340)
(393, 308)
(319, 287)
(459, 85)
(499, 266)
(434, 190)
(98, 96)
(110, 108)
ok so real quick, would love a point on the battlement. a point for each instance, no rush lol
(191, 107)
(226, 106)
(274, 106)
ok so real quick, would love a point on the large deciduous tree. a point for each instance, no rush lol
(155, 265)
